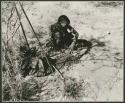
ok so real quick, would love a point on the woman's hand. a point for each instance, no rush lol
(71, 47)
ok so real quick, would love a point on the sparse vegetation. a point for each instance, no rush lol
(26, 78)
(73, 90)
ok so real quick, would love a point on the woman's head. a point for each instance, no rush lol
(63, 20)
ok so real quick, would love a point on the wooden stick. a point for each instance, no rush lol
(36, 36)
(49, 63)
(13, 33)
(58, 72)
(22, 27)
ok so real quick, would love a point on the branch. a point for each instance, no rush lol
(13, 33)
(12, 12)
(58, 72)
(22, 27)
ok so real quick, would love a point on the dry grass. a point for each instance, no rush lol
(73, 90)
(19, 61)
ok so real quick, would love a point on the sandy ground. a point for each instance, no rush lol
(105, 76)
(103, 67)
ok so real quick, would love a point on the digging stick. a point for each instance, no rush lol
(40, 43)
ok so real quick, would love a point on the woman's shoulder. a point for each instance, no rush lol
(55, 26)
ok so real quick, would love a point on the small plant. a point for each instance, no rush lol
(6, 92)
(26, 58)
(73, 89)
(29, 89)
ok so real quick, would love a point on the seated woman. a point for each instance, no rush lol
(63, 35)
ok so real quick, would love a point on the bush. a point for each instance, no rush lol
(73, 89)
(6, 92)
(29, 89)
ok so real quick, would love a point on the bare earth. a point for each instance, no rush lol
(102, 68)
(105, 75)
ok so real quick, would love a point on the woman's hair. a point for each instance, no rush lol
(63, 18)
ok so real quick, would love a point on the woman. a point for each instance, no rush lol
(63, 35)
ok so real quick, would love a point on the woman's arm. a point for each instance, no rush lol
(74, 32)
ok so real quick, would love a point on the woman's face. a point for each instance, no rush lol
(63, 23)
